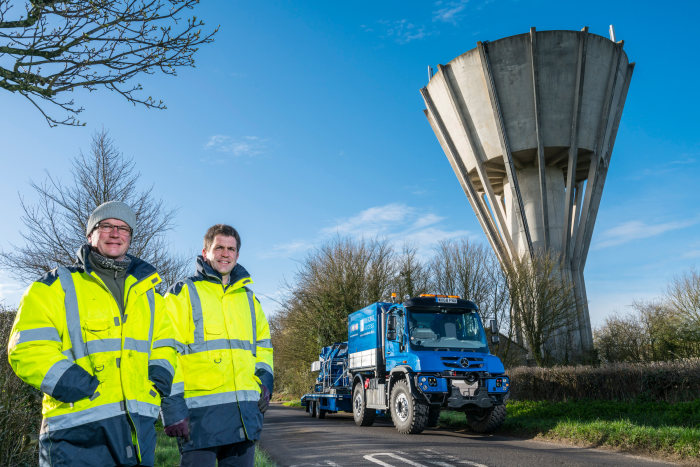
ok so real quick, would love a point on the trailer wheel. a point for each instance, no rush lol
(408, 414)
(312, 409)
(486, 420)
(433, 416)
(362, 415)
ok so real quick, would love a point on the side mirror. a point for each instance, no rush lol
(391, 327)
(495, 337)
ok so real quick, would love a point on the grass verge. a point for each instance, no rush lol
(652, 428)
(167, 454)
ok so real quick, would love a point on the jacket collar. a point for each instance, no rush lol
(208, 273)
(138, 268)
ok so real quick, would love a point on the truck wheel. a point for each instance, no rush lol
(433, 416)
(486, 420)
(321, 413)
(312, 409)
(362, 415)
(408, 414)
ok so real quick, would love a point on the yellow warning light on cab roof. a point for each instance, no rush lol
(437, 295)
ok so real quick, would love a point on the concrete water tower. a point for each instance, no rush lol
(528, 124)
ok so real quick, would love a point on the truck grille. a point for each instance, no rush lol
(463, 362)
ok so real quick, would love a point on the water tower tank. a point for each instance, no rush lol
(528, 123)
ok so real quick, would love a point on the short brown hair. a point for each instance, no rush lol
(221, 229)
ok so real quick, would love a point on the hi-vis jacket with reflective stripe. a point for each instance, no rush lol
(99, 372)
(225, 356)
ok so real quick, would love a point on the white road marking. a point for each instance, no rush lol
(371, 458)
(431, 453)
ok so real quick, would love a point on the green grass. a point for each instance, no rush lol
(167, 454)
(656, 428)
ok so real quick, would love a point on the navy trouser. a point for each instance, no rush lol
(230, 455)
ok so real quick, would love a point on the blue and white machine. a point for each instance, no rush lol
(412, 360)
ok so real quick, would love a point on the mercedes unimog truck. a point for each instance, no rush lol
(412, 360)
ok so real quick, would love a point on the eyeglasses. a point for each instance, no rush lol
(123, 230)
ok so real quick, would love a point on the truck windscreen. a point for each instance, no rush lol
(446, 329)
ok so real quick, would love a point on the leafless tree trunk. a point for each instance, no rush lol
(543, 305)
(55, 224)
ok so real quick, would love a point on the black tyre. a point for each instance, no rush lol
(409, 416)
(321, 412)
(433, 416)
(312, 409)
(486, 420)
(362, 415)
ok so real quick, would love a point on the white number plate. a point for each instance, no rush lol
(465, 388)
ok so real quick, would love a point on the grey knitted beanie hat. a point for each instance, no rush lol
(111, 210)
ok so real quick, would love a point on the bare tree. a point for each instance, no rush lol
(684, 295)
(55, 225)
(472, 272)
(412, 276)
(340, 277)
(543, 305)
(49, 48)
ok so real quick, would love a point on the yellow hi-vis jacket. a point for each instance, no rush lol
(101, 373)
(225, 357)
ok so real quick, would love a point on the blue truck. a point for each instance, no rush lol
(411, 360)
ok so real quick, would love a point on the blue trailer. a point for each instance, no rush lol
(411, 360)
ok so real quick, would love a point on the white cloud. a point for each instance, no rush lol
(691, 254)
(395, 222)
(245, 146)
(371, 222)
(449, 12)
(11, 293)
(403, 31)
(287, 249)
(635, 230)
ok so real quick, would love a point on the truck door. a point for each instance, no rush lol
(394, 339)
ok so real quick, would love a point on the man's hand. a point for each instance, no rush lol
(180, 429)
(264, 401)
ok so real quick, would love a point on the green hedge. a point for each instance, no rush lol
(672, 381)
(20, 408)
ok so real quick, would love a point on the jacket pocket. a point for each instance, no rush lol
(201, 371)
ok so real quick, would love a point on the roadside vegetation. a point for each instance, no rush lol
(643, 427)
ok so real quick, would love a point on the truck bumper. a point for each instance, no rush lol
(480, 399)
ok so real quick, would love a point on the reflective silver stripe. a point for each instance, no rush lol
(196, 312)
(142, 408)
(72, 313)
(93, 414)
(161, 362)
(53, 375)
(104, 345)
(251, 303)
(137, 344)
(218, 344)
(265, 343)
(38, 334)
(175, 344)
(222, 398)
(152, 304)
(177, 388)
(263, 366)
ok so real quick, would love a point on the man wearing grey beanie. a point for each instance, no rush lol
(96, 340)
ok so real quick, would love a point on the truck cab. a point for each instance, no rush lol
(431, 354)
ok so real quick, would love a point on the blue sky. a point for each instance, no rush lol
(304, 119)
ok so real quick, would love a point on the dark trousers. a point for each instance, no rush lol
(230, 455)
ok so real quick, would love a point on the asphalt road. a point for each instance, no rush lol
(292, 438)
